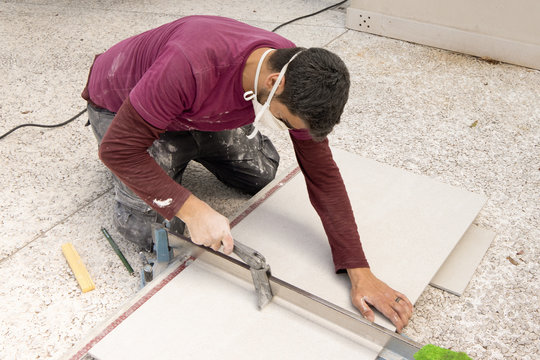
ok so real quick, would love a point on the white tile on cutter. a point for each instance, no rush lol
(458, 269)
(408, 224)
(204, 313)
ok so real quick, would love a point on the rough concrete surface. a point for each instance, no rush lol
(456, 118)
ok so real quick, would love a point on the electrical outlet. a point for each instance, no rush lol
(364, 22)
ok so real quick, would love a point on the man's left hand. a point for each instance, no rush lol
(369, 290)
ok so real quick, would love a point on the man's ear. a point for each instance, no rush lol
(271, 80)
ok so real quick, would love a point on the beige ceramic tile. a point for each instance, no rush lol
(408, 224)
(204, 313)
(458, 269)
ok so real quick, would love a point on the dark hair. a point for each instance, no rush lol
(316, 87)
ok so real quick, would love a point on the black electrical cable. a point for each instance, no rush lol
(43, 126)
(306, 16)
(83, 111)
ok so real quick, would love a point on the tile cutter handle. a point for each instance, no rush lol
(250, 256)
(260, 270)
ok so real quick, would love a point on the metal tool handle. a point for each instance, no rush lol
(250, 256)
(260, 270)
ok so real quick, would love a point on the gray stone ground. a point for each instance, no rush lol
(411, 107)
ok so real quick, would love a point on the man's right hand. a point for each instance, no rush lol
(368, 289)
(206, 226)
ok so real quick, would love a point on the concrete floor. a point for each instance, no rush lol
(410, 106)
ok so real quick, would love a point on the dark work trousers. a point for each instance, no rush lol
(239, 162)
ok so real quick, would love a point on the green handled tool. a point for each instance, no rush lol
(117, 250)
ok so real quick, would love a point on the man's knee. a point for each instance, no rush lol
(263, 168)
(270, 162)
(266, 175)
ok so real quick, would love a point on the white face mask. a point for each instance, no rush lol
(263, 116)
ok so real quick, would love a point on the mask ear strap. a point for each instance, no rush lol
(259, 66)
(250, 95)
(254, 132)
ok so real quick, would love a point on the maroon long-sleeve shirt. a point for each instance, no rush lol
(188, 75)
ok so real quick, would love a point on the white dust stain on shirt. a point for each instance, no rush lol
(162, 203)
(118, 60)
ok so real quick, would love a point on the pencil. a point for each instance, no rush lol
(117, 250)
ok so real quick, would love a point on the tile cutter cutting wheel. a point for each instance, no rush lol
(394, 346)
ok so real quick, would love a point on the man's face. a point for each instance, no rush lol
(280, 111)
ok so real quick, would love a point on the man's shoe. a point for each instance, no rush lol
(135, 226)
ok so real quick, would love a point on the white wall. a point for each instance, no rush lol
(511, 24)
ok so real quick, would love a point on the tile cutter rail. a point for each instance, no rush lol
(166, 244)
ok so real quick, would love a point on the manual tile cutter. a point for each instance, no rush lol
(394, 346)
